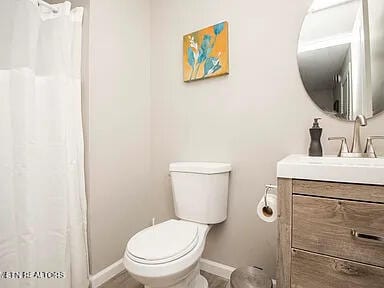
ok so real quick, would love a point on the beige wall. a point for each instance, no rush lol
(119, 126)
(252, 118)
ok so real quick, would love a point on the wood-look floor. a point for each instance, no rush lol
(123, 280)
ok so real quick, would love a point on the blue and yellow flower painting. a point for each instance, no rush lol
(206, 53)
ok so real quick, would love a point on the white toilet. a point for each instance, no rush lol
(168, 254)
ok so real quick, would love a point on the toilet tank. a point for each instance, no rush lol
(200, 191)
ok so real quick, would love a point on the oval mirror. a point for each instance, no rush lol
(341, 56)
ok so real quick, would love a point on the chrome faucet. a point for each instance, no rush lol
(357, 151)
(356, 144)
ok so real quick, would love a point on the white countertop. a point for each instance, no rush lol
(332, 168)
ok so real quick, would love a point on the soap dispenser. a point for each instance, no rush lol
(315, 148)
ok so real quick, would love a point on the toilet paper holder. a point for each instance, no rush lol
(267, 188)
(267, 211)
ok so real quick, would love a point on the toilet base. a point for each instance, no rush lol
(193, 280)
(204, 282)
(200, 282)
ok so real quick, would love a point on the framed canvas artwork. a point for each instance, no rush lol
(206, 53)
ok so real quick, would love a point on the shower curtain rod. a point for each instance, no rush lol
(49, 6)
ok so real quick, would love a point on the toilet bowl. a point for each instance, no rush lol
(167, 255)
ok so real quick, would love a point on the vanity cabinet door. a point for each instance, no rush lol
(346, 229)
(310, 270)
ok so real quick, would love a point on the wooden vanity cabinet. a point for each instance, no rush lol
(331, 235)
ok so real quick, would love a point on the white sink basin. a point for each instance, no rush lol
(332, 168)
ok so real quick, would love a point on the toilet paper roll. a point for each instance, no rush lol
(264, 213)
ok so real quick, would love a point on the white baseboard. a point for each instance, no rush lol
(106, 274)
(206, 265)
(215, 268)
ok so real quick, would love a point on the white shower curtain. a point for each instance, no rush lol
(42, 194)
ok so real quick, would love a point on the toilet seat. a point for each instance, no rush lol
(163, 243)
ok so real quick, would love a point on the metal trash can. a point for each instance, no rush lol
(249, 277)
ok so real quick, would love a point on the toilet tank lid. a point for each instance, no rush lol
(200, 167)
